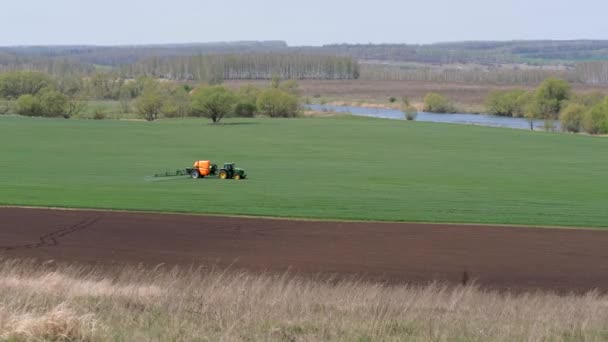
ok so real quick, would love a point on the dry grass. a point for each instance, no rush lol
(58, 324)
(42, 302)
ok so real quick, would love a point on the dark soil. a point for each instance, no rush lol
(497, 257)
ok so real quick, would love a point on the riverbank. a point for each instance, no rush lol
(467, 97)
(454, 118)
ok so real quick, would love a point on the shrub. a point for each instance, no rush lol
(595, 120)
(291, 86)
(277, 103)
(106, 85)
(392, 99)
(571, 117)
(437, 103)
(213, 102)
(15, 84)
(53, 104)
(245, 109)
(99, 113)
(588, 99)
(247, 101)
(124, 103)
(177, 102)
(551, 97)
(505, 103)
(28, 105)
(5, 107)
(408, 110)
(411, 114)
(48, 103)
(549, 125)
(151, 101)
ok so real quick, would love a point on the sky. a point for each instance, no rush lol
(309, 22)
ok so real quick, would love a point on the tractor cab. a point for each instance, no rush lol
(229, 171)
(229, 167)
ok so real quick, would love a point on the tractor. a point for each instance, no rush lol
(204, 168)
(231, 172)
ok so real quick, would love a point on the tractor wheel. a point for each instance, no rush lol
(194, 174)
(223, 174)
(237, 176)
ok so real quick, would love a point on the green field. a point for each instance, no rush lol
(330, 168)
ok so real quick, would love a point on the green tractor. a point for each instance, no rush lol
(231, 172)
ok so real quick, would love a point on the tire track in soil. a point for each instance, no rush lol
(51, 239)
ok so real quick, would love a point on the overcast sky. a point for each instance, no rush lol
(309, 22)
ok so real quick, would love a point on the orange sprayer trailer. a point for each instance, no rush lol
(202, 168)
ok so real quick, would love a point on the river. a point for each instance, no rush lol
(456, 118)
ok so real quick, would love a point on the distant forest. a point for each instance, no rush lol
(246, 66)
(529, 52)
(584, 61)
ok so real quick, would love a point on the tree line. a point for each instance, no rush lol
(592, 72)
(595, 72)
(115, 56)
(554, 100)
(32, 93)
(482, 52)
(262, 60)
(248, 67)
(197, 67)
(215, 102)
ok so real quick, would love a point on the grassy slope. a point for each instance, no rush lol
(344, 168)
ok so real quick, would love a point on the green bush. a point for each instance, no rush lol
(125, 105)
(54, 104)
(108, 86)
(150, 103)
(245, 109)
(247, 101)
(437, 103)
(549, 125)
(588, 99)
(571, 118)
(596, 119)
(15, 84)
(99, 113)
(214, 102)
(551, 97)
(177, 102)
(5, 107)
(277, 103)
(47, 103)
(290, 86)
(505, 103)
(28, 105)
